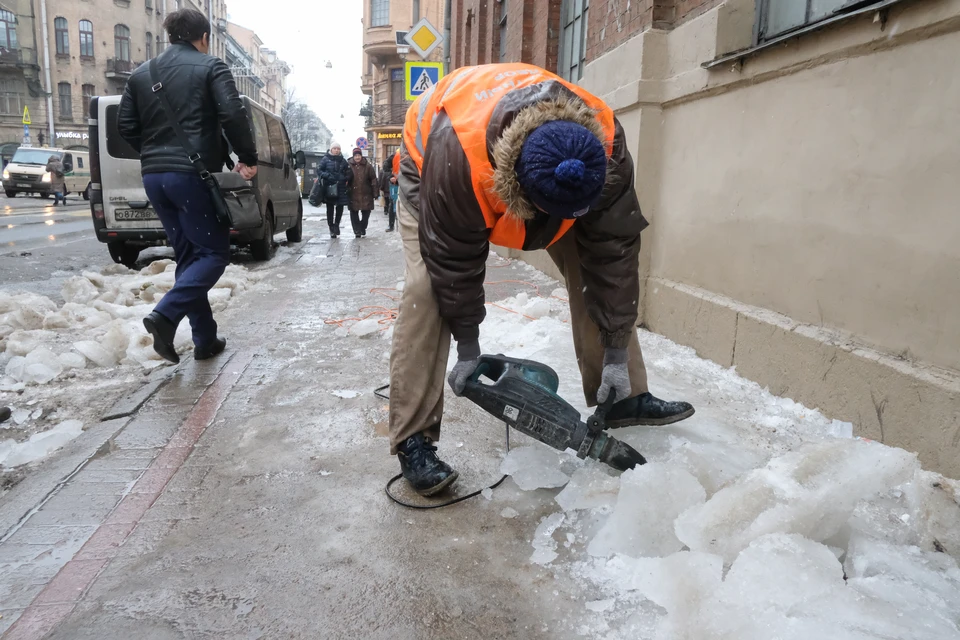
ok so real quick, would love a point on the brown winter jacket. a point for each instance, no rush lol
(454, 237)
(364, 187)
(57, 182)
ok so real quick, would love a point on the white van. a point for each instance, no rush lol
(123, 217)
(27, 171)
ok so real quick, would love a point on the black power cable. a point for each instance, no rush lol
(423, 507)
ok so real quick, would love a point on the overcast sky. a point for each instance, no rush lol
(307, 33)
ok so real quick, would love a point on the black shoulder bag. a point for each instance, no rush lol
(234, 201)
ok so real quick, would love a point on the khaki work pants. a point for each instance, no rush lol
(421, 341)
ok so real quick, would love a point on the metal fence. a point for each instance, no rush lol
(388, 114)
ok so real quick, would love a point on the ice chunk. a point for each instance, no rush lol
(79, 290)
(538, 308)
(487, 493)
(95, 353)
(39, 445)
(543, 543)
(559, 293)
(219, 298)
(36, 414)
(157, 267)
(651, 497)
(58, 320)
(534, 467)
(96, 279)
(600, 606)
(41, 366)
(590, 487)
(15, 368)
(20, 416)
(365, 328)
(509, 513)
(72, 360)
(116, 270)
(27, 310)
(811, 491)
(20, 343)
(346, 394)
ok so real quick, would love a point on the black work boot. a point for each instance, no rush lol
(163, 332)
(647, 410)
(426, 473)
(211, 350)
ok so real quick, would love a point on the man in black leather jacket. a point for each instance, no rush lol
(204, 97)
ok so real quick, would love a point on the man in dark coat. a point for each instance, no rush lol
(386, 181)
(335, 171)
(204, 97)
(363, 190)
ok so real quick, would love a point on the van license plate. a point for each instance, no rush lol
(121, 215)
(24, 186)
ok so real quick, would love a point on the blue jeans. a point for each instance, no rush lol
(201, 244)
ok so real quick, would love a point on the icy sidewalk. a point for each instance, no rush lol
(63, 365)
(756, 519)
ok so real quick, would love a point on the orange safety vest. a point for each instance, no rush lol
(396, 164)
(469, 96)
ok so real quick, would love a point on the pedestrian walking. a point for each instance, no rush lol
(58, 184)
(388, 187)
(363, 192)
(203, 96)
(335, 177)
(522, 159)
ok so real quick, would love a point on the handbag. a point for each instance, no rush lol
(233, 199)
(332, 192)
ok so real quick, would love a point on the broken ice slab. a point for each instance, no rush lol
(811, 491)
(650, 499)
(534, 467)
(590, 487)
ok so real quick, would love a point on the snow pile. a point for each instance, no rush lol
(39, 445)
(756, 519)
(99, 324)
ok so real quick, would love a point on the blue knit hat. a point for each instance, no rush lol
(562, 168)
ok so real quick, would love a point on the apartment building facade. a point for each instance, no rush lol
(384, 23)
(796, 161)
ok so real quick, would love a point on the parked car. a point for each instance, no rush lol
(27, 171)
(123, 217)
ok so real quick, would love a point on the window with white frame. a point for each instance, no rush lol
(777, 17)
(86, 39)
(8, 30)
(573, 39)
(62, 36)
(379, 13)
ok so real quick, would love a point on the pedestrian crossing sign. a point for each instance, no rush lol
(418, 77)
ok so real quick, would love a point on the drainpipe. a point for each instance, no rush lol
(46, 69)
(163, 31)
(447, 6)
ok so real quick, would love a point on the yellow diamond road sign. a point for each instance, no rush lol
(423, 38)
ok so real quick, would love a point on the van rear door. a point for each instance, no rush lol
(125, 203)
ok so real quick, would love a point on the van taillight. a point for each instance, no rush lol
(98, 211)
(94, 132)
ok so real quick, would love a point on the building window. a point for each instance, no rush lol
(10, 98)
(379, 13)
(149, 45)
(776, 17)
(8, 31)
(121, 42)
(149, 5)
(66, 101)
(573, 39)
(62, 36)
(86, 39)
(88, 92)
(503, 30)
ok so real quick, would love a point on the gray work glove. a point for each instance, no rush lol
(615, 378)
(468, 359)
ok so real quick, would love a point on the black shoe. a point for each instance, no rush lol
(426, 473)
(333, 236)
(389, 229)
(210, 351)
(163, 332)
(647, 410)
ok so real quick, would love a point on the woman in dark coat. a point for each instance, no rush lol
(363, 190)
(334, 170)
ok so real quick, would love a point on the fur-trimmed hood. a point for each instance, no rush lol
(506, 150)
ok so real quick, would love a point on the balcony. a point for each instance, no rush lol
(120, 69)
(19, 58)
(387, 115)
(380, 41)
